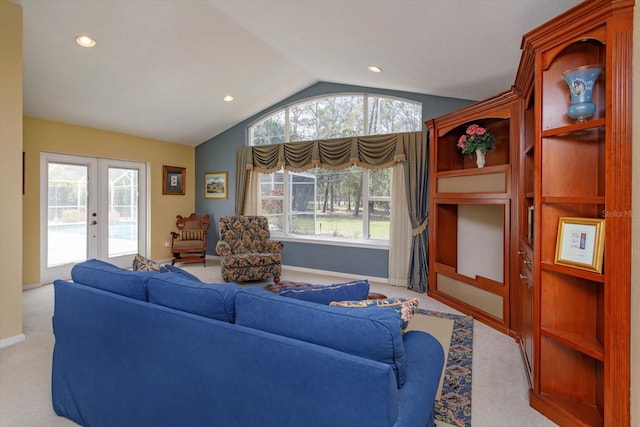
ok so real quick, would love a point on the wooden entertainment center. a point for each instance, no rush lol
(494, 230)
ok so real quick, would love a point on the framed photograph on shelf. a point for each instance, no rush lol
(173, 180)
(216, 185)
(580, 243)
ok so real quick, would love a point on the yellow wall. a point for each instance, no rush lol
(47, 136)
(10, 171)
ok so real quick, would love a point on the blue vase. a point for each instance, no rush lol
(581, 81)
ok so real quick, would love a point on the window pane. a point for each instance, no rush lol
(325, 118)
(269, 130)
(302, 203)
(339, 203)
(272, 197)
(389, 115)
(380, 183)
(379, 204)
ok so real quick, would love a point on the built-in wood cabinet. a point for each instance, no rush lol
(471, 213)
(494, 230)
(522, 325)
(579, 320)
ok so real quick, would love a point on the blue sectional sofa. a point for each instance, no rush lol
(163, 349)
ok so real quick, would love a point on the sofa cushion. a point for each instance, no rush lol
(179, 271)
(405, 307)
(142, 263)
(251, 260)
(373, 334)
(215, 301)
(108, 277)
(323, 294)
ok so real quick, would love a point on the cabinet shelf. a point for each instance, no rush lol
(586, 414)
(569, 200)
(574, 272)
(582, 343)
(475, 171)
(575, 127)
(481, 282)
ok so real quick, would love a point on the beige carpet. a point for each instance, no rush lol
(441, 330)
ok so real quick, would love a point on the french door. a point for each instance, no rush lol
(91, 208)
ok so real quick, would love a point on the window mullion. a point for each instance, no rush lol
(365, 204)
(286, 124)
(365, 114)
(285, 202)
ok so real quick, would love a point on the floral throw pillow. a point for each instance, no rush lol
(141, 263)
(406, 307)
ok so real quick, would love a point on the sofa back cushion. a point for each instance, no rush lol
(108, 277)
(373, 334)
(174, 290)
(324, 294)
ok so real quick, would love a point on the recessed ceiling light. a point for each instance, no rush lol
(375, 69)
(227, 98)
(85, 41)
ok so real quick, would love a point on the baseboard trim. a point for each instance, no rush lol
(12, 340)
(372, 279)
(29, 287)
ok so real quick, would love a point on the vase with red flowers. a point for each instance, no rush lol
(476, 140)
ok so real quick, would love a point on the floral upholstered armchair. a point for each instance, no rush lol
(246, 251)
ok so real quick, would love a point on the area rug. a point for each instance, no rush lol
(455, 333)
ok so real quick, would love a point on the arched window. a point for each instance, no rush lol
(352, 204)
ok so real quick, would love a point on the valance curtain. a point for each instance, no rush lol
(369, 152)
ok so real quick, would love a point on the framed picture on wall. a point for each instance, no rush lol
(580, 243)
(216, 185)
(173, 180)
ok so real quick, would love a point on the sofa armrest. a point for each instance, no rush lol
(425, 363)
(273, 246)
(223, 248)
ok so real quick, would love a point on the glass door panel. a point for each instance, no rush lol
(123, 211)
(67, 232)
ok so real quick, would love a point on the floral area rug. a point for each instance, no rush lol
(454, 406)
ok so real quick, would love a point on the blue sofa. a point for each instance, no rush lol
(163, 349)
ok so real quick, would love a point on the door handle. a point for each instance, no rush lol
(94, 222)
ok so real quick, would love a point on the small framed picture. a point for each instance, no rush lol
(216, 185)
(580, 243)
(173, 180)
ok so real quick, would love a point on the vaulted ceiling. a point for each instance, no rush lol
(161, 68)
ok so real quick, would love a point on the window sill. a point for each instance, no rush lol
(373, 244)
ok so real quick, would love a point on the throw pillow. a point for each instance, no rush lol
(141, 263)
(191, 235)
(324, 294)
(406, 307)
